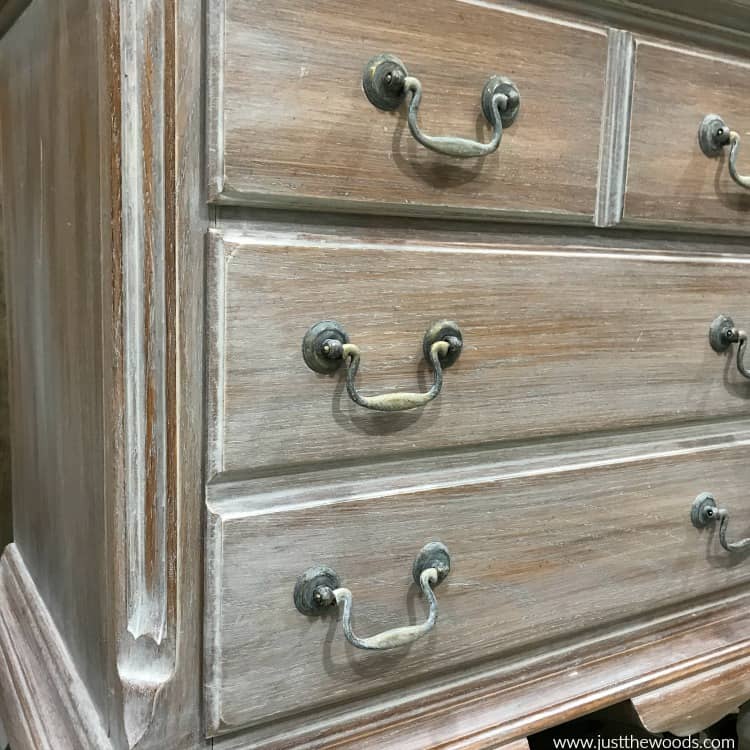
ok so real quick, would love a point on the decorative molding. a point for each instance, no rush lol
(613, 146)
(147, 366)
(147, 259)
(694, 703)
(45, 703)
(721, 25)
(215, 336)
(215, 15)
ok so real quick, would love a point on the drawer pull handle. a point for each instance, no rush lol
(722, 334)
(318, 589)
(713, 135)
(386, 82)
(326, 345)
(705, 512)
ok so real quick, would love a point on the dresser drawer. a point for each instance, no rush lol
(289, 123)
(544, 548)
(555, 341)
(670, 181)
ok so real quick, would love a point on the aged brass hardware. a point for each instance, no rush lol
(705, 512)
(722, 334)
(326, 345)
(713, 135)
(386, 82)
(318, 589)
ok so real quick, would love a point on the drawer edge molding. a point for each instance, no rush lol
(215, 22)
(613, 149)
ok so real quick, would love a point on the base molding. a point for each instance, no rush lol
(697, 701)
(43, 701)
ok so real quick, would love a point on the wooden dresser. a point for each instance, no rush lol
(368, 384)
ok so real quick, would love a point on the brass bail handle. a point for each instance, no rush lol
(713, 135)
(386, 83)
(722, 334)
(326, 347)
(319, 589)
(705, 512)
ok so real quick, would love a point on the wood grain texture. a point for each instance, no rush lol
(103, 184)
(288, 123)
(154, 387)
(605, 534)
(670, 181)
(145, 359)
(55, 189)
(690, 705)
(555, 342)
(505, 704)
(44, 704)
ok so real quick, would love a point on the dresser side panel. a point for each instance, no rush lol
(54, 203)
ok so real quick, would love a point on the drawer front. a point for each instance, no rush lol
(670, 181)
(590, 544)
(289, 123)
(554, 342)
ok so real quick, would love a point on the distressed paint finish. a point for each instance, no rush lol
(55, 192)
(156, 382)
(502, 705)
(604, 533)
(104, 226)
(146, 319)
(555, 341)
(109, 225)
(671, 182)
(288, 122)
(45, 701)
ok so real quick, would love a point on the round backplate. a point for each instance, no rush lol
(439, 331)
(698, 515)
(717, 333)
(432, 555)
(312, 345)
(713, 135)
(304, 589)
(501, 85)
(383, 81)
